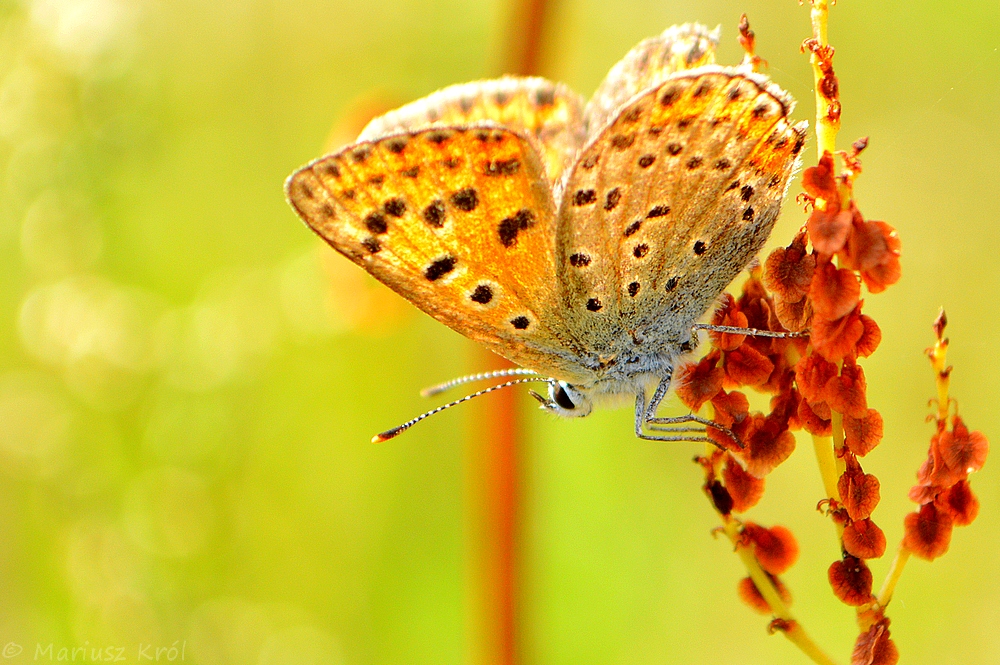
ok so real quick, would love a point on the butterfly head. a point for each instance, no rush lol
(565, 400)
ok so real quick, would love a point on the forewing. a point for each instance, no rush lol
(549, 114)
(669, 202)
(459, 221)
(646, 66)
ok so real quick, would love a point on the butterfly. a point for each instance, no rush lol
(580, 240)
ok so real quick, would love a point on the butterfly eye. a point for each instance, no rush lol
(562, 399)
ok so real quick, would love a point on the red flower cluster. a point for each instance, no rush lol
(942, 488)
(736, 361)
(874, 647)
(776, 550)
(734, 474)
(814, 381)
(814, 284)
(821, 290)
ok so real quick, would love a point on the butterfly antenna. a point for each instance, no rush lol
(471, 378)
(390, 433)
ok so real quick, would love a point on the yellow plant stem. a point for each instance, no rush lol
(732, 527)
(892, 577)
(828, 458)
(837, 426)
(831, 468)
(795, 633)
(942, 377)
(827, 461)
(826, 127)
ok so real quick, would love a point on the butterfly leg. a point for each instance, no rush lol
(752, 332)
(677, 434)
(645, 418)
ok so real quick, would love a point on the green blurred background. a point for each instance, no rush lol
(189, 378)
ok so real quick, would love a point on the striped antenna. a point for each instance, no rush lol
(390, 433)
(482, 376)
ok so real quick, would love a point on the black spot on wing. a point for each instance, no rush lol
(800, 141)
(433, 214)
(703, 88)
(670, 96)
(500, 167)
(545, 96)
(375, 222)
(509, 228)
(395, 207)
(397, 145)
(465, 199)
(440, 268)
(632, 115)
(622, 141)
(612, 199)
(482, 295)
(584, 197)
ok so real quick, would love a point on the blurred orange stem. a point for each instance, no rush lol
(525, 37)
(499, 437)
(496, 460)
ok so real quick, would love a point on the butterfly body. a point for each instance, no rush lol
(579, 241)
